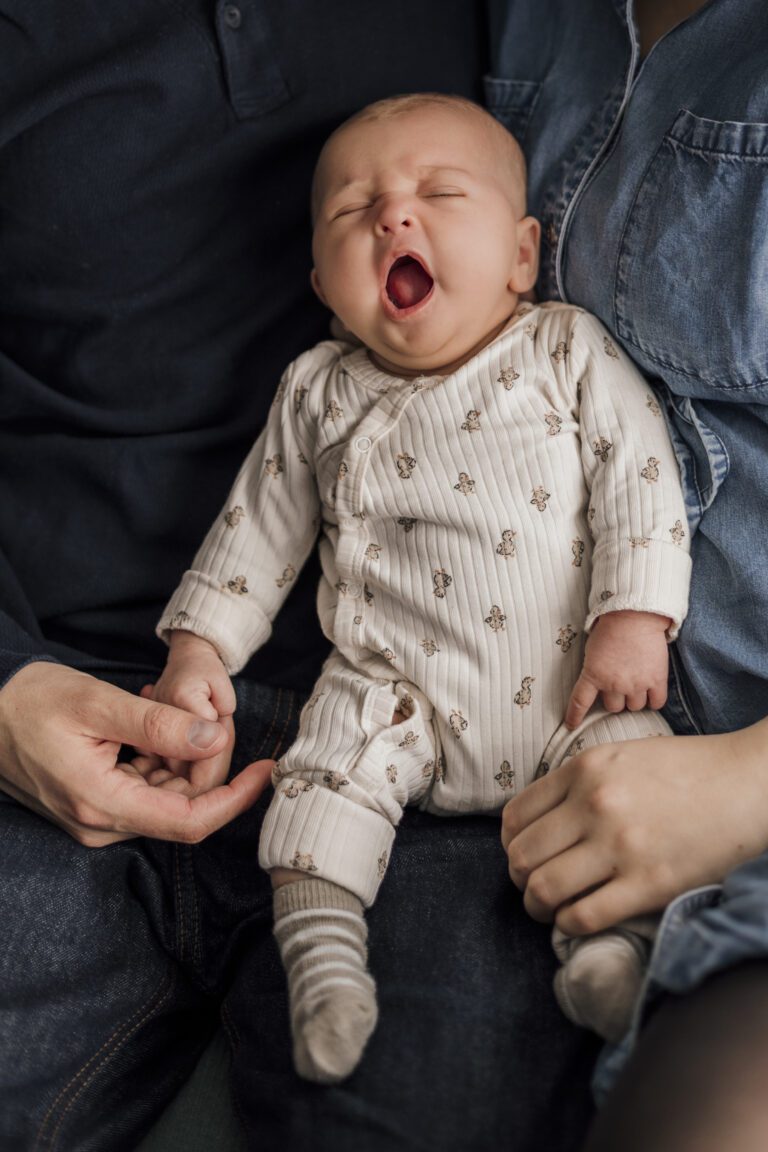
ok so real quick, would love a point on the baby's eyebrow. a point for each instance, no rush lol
(439, 169)
(421, 171)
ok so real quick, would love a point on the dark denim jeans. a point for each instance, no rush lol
(116, 965)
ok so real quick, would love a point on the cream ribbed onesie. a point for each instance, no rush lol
(472, 527)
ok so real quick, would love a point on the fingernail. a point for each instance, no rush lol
(202, 734)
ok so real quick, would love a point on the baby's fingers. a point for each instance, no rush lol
(582, 698)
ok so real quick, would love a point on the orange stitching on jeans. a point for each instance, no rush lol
(128, 1028)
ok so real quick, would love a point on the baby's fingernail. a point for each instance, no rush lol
(202, 734)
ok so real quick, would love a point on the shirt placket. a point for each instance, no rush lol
(356, 530)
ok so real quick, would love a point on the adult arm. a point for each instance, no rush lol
(61, 733)
(624, 828)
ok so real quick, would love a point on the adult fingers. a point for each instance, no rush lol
(582, 698)
(564, 878)
(206, 774)
(636, 701)
(539, 843)
(112, 714)
(614, 701)
(533, 802)
(605, 906)
(165, 813)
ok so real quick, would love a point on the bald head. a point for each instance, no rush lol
(504, 153)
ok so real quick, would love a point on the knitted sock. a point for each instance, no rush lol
(599, 984)
(321, 934)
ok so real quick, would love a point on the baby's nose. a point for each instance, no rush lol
(394, 216)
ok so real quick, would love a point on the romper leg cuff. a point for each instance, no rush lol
(320, 832)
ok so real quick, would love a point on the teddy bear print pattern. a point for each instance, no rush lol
(469, 530)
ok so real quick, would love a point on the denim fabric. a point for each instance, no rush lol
(651, 181)
(115, 962)
(702, 932)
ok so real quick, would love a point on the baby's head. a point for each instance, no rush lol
(421, 243)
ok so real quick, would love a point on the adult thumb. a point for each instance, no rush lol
(156, 728)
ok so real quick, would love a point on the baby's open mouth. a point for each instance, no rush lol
(408, 282)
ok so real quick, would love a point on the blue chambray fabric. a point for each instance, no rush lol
(651, 181)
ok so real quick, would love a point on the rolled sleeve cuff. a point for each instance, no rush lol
(640, 576)
(323, 834)
(229, 620)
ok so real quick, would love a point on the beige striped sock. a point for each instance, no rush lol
(321, 934)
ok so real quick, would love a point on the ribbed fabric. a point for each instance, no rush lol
(321, 934)
(473, 527)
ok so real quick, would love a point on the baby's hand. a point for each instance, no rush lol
(625, 660)
(195, 679)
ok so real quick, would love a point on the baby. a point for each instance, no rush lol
(502, 538)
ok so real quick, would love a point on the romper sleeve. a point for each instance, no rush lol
(247, 563)
(641, 558)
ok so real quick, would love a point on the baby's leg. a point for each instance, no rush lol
(321, 933)
(364, 750)
(602, 975)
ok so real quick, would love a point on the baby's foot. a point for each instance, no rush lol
(599, 984)
(330, 1031)
(321, 934)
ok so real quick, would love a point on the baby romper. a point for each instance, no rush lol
(472, 528)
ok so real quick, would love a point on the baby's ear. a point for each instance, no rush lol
(314, 280)
(526, 267)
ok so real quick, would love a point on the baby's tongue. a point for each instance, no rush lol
(407, 282)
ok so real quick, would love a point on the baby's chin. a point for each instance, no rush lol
(424, 357)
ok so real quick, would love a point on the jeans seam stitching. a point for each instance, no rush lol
(272, 723)
(118, 1037)
(182, 934)
(287, 724)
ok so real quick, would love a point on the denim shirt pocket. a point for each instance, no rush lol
(512, 103)
(701, 455)
(692, 273)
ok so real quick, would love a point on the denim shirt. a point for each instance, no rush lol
(651, 181)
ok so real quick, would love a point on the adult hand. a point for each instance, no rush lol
(60, 737)
(624, 828)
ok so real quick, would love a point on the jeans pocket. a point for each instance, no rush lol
(692, 277)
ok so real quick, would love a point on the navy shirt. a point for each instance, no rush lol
(155, 162)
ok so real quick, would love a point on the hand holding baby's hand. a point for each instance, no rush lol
(195, 679)
(626, 660)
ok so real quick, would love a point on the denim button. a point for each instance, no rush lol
(363, 443)
(233, 17)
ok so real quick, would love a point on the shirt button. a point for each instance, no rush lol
(363, 443)
(355, 589)
(233, 17)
